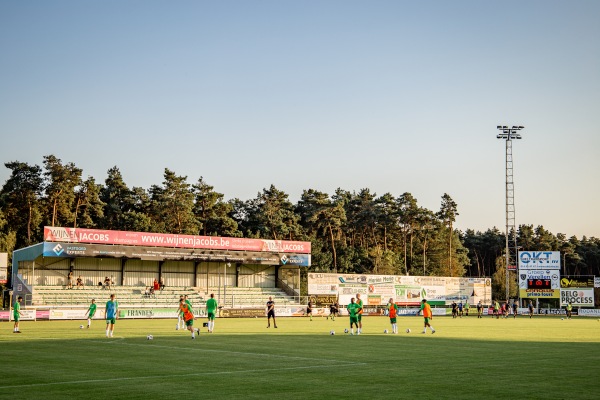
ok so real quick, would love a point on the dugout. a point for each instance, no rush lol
(182, 261)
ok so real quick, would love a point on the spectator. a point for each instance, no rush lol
(147, 292)
(107, 283)
(155, 285)
(70, 280)
(80, 282)
(162, 283)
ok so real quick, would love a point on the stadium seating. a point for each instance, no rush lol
(128, 296)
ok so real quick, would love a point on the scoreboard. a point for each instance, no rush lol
(539, 283)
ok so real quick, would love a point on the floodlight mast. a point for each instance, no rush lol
(508, 134)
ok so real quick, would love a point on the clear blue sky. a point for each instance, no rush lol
(393, 96)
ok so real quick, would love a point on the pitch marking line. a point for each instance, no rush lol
(231, 352)
(249, 371)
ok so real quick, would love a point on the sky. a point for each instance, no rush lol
(393, 96)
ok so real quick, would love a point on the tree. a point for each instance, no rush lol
(87, 199)
(117, 199)
(407, 213)
(447, 214)
(274, 215)
(172, 205)
(323, 217)
(212, 212)
(61, 181)
(20, 200)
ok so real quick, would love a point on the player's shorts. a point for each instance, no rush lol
(189, 322)
(91, 316)
(354, 320)
(271, 314)
(211, 315)
(16, 317)
(359, 317)
(309, 310)
(111, 320)
(426, 320)
(393, 320)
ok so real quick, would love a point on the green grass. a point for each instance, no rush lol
(465, 359)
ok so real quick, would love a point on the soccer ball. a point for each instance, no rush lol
(562, 319)
(345, 330)
(332, 332)
(408, 330)
(149, 337)
(80, 326)
(385, 331)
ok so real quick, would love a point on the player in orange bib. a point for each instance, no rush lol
(427, 314)
(188, 316)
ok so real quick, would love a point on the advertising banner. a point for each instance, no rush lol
(3, 268)
(539, 293)
(99, 236)
(577, 282)
(154, 254)
(577, 297)
(589, 312)
(539, 260)
(534, 283)
(405, 290)
(323, 300)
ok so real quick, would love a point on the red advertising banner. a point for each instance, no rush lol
(81, 235)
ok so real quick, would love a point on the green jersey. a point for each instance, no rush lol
(353, 309)
(17, 308)
(211, 305)
(92, 309)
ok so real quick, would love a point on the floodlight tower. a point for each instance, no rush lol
(508, 134)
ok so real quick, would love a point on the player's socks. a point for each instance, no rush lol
(107, 332)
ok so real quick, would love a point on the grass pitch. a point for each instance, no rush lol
(466, 358)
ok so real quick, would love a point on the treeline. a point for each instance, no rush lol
(352, 232)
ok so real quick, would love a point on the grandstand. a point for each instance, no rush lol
(134, 296)
(242, 273)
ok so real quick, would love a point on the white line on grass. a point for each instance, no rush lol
(229, 352)
(248, 371)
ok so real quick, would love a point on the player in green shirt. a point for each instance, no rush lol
(17, 314)
(211, 310)
(91, 312)
(353, 310)
(359, 302)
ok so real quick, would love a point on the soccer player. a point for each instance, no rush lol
(211, 310)
(392, 313)
(17, 314)
(111, 314)
(530, 307)
(180, 322)
(427, 314)
(467, 308)
(91, 311)
(454, 309)
(496, 309)
(569, 310)
(271, 312)
(188, 316)
(359, 302)
(309, 309)
(332, 311)
(479, 310)
(460, 309)
(353, 313)
(515, 309)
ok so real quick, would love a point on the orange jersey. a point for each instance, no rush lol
(426, 310)
(187, 313)
(392, 309)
